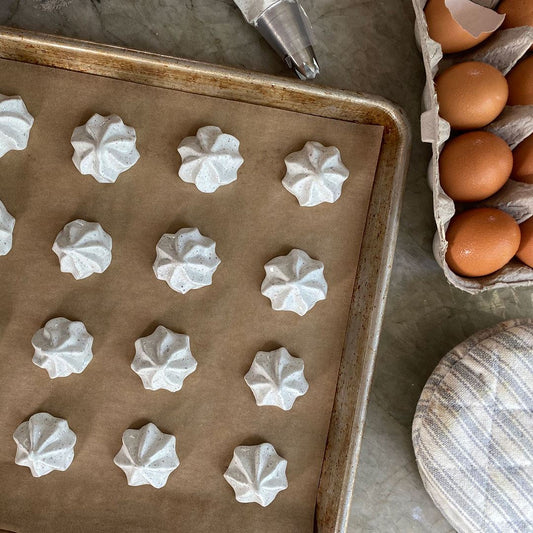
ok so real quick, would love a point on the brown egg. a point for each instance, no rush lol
(523, 161)
(443, 29)
(520, 81)
(474, 166)
(471, 94)
(517, 13)
(481, 241)
(525, 251)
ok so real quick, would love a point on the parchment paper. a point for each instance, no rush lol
(252, 220)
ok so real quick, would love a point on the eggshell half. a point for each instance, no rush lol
(443, 28)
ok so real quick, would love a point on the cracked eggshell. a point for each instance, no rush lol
(15, 124)
(210, 159)
(277, 378)
(163, 360)
(315, 174)
(449, 24)
(62, 347)
(257, 474)
(148, 456)
(104, 147)
(294, 282)
(44, 444)
(83, 249)
(186, 260)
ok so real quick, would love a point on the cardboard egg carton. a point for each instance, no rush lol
(502, 50)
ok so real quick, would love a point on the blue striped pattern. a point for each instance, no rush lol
(473, 431)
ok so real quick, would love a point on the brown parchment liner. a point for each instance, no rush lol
(252, 220)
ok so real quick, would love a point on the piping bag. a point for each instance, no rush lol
(286, 27)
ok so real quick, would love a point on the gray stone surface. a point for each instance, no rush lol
(363, 46)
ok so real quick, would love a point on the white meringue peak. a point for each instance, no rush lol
(148, 456)
(186, 260)
(62, 347)
(44, 444)
(104, 147)
(163, 359)
(315, 174)
(294, 282)
(83, 248)
(257, 474)
(277, 378)
(210, 159)
(7, 224)
(15, 124)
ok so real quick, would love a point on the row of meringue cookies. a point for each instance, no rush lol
(148, 456)
(162, 360)
(105, 147)
(187, 260)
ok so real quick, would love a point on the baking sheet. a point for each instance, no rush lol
(252, 221)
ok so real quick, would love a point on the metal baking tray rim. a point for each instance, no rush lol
(377, 250)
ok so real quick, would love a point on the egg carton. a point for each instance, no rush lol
(502, 50)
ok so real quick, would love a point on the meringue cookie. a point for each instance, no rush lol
(147, 456)
(62, 347)
(7, 224)
(186, 260)
(294, 282)
(163, 360)
(257, 474)
(83, 248)
(277, 378)
(15, 124)
(44, 443)
(104, 147)
(315, 174)
(210, 159)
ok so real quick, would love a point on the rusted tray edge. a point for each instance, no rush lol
(194, 77)
(362, 335)
(377, 251)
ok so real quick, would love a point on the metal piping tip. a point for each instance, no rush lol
(304, 64)
(285, 26)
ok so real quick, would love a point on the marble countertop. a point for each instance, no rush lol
(363, 45)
